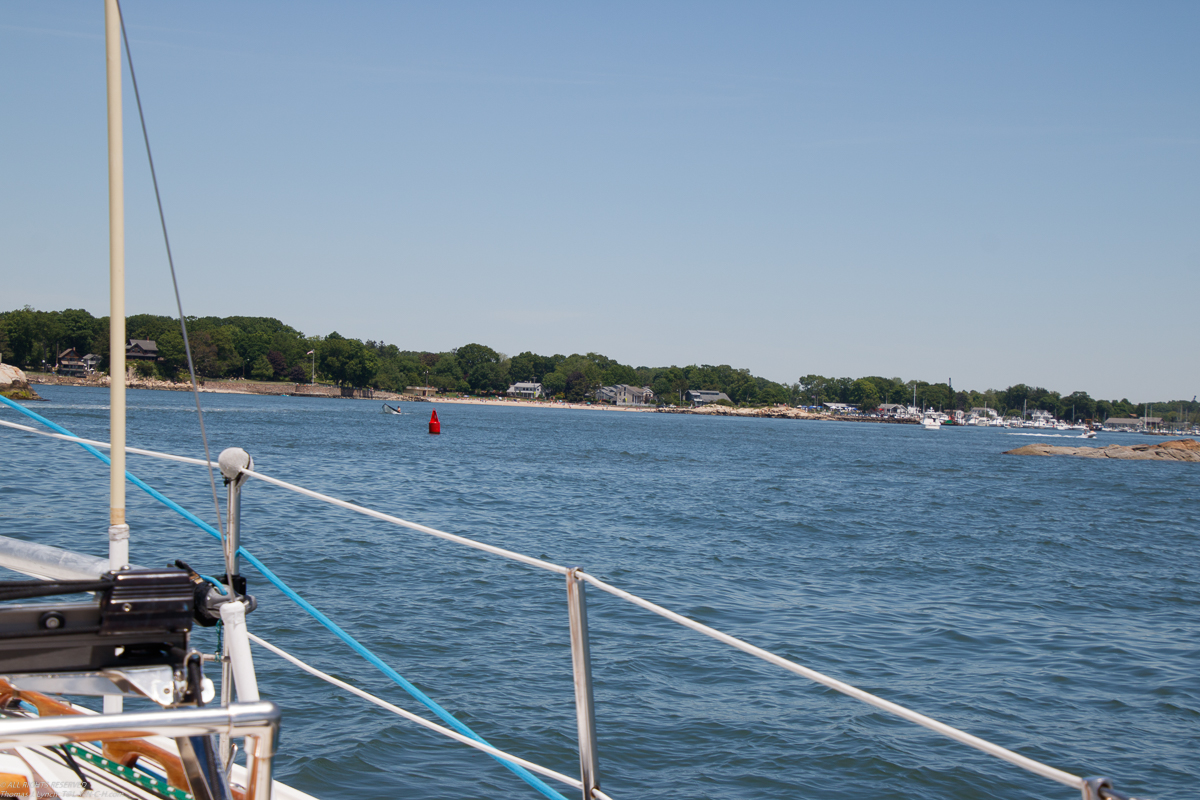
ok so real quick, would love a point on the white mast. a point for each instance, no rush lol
(118, 531)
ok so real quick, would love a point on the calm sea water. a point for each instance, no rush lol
(1049, 605)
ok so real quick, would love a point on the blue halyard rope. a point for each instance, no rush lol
(220, 587)
(533, 780)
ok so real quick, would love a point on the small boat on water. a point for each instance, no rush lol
(390, 410)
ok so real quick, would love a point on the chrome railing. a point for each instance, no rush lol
(190, 727)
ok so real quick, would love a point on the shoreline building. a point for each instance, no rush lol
(525, 390)
(141, 350)
(71, 365)
(1133, 423)
(625, 395)
(702, 397)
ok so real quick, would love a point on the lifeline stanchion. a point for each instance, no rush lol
(581, 665)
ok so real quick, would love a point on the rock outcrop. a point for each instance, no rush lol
(14, 385)
(1175, 450)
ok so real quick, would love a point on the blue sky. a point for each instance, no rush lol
(987, 193)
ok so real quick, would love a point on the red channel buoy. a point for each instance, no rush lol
(434, 425)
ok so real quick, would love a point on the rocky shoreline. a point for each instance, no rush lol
(15, 385)
(1175, 450)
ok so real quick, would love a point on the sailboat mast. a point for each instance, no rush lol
(118, 531)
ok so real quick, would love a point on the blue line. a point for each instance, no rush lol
(136, 481)
(220, 586)
(534, 781)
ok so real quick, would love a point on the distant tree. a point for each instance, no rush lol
(79, 329)
(1016, 397)
(251, 345)
(618, 373)
(813, 389)
(347, 362)
(490, 377)
(172, 357)
(446, 371)
(680, 382)
(297, 375)
(1046, 400)
(148, 326)
(1084, 407)
(228, 362)
(771, 393)
(740, 386)
(22, 335)
(586, 364)
(477, 363)
(935, 395)
(577, 387)
(891, 390)
(864, 395)
(529, 366)
(523, 367)
(665, 383)
(205, 355)
(554, 383)
(262, 370)
(278, 362)
(395, 374)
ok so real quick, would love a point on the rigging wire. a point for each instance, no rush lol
(187, 347)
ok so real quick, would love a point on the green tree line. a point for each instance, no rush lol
(265, 349)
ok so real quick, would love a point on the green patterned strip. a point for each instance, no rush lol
(135, 776)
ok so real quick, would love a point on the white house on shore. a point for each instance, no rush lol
(527, 391)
